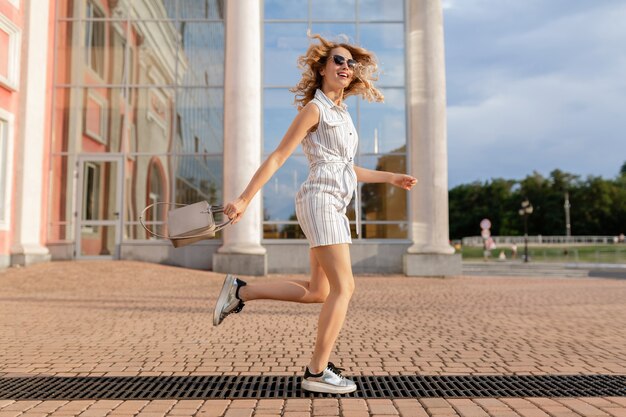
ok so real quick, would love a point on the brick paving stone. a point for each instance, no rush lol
(239, 412)
(410, 408)
(213, 409)
(21, 406)
(325, 411)
(292, 404)
(355, 413)
(297, 414)
(616, 412)
(532, 412)
(581, 407)
(597, 402)
(10, 413)
(353, 404)
(382, 407)
(617, 400)
(247, 404)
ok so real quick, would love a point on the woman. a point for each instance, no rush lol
(331, 72)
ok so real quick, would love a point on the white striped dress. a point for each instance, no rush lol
(322, 199)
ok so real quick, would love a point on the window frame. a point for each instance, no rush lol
(7, 122)
(12, 79)
(97, 17)
(101, 136)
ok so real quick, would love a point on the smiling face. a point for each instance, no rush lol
(337, 76)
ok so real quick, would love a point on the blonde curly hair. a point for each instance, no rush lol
(315, 58)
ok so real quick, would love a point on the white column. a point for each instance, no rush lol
(27, 246)
(431, 253)
(428, 219)
(242, 121)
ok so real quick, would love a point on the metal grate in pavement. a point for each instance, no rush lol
(233, 387)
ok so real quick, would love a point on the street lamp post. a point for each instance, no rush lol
(525, 211)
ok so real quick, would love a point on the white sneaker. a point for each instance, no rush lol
(328, 381)
(228, 302)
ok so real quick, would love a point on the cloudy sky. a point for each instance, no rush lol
(535, 85)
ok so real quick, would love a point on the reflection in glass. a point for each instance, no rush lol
(279, 192)
(202, 62)
(282, 231)
(382, 201)
(61, 208)
(174, 179)
(333, 10)
(283, 44)
(97, 240)
(94, 58)
(382, 126)
(199, 9)
(285, 9)
(386, 40)
(152, 9)
(337, 32)
(200, 121)
(278, 113)
(155, 46)
(88, 119)
(381, 9)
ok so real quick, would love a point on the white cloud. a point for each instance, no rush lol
(538, 93)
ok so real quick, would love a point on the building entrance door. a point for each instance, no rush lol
(99, 207)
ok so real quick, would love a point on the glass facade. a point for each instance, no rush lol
(137, 117)
(138, 110)
(377, 25)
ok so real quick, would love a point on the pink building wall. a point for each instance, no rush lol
(9, 102)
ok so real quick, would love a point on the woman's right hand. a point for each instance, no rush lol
(235, 209)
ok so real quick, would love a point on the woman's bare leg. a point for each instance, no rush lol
(335, 261)
(313, 291)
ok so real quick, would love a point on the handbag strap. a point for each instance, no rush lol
(212, 209)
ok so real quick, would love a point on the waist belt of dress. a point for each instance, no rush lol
(348, 163)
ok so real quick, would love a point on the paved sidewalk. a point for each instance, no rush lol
(131, 318)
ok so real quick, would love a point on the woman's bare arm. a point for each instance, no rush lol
(399, 180)
(302, 123)
(369, 175)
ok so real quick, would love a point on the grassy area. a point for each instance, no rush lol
(555, 253)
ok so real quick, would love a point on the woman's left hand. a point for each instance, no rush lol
(403, 181)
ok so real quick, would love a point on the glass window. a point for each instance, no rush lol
(279, 192)
(381, 10)
(333, 10)
(286, 9)
(199, 9)
(203, 48)
(284, 43)
(382, 126)
(90, 60)
(387, 42)
(279, 112)
(94, 39)
(4, 139)
(201, 115)
(142, 78)
(91, 192)
(381, 201)
(338, 32)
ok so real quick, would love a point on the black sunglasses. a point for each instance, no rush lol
(339, 60)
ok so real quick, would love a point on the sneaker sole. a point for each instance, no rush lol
(221, 300)
(325, 388)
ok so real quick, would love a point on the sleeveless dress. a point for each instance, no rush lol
(322, 199)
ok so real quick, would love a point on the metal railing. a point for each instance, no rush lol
(539, 239)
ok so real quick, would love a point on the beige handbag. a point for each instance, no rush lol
(190, 223)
